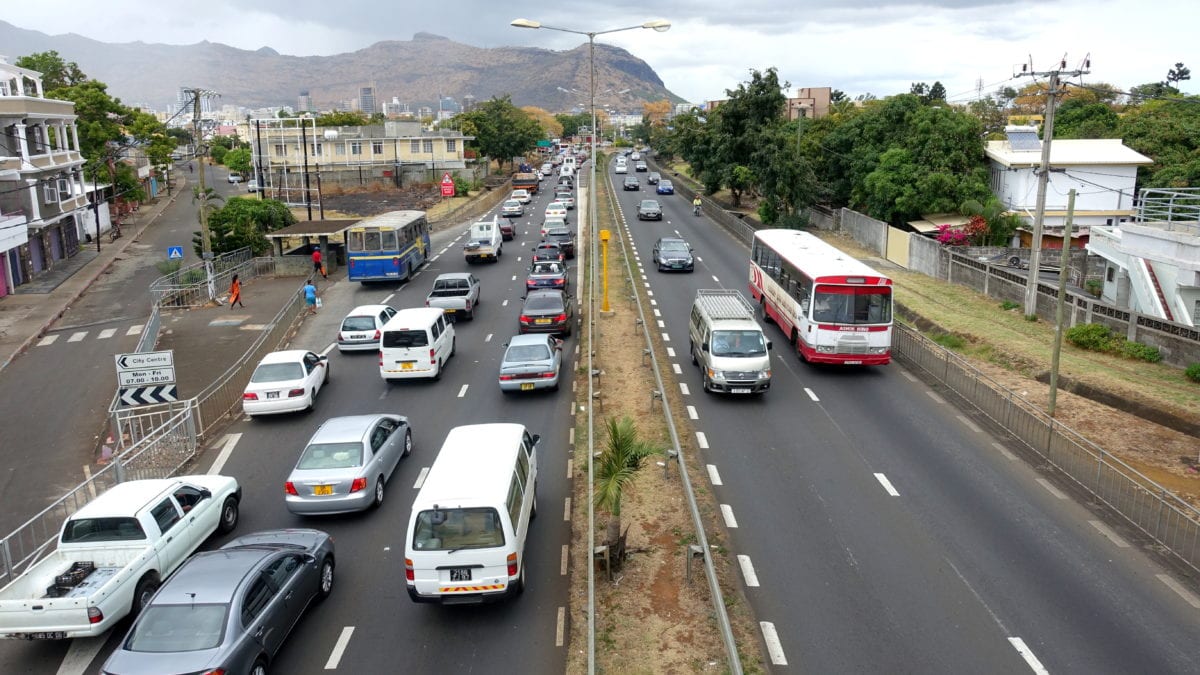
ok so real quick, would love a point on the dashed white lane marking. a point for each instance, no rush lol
(811, 394)
(657, 312)
(488, 338)
(504, 304)
(1058, 494)
(567, 510)
(570, 468)
(560, 627)
(514, 277)
(692, 414)
(1004, 451)
(463, 392)
(388, 299)
(81, 653)
(562, 563)
(713, 476)
(935, 397)
(675, 367)
(1109, 533)
(1188, 597)
(445, 249)
(661, 324)
(76, 337)
(328, 348)
(650, 293)
(339, 648)
(887, 484)
(910, 376)
(671, 352)
(727, 514)
(684, 389)
(653, 303)
(134, 330)
(106, 333)
(646, 284)
(571, 436)
(228, 443)
(1027, 654)
(48, 340)
(421, 478)
(716, 279)
(518, 258)
(969, 424)
(748, 571)
(702, 440)
(666, 337)
(774, 647)
(435, 257)
(415, 275)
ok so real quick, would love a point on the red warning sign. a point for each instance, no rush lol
(447, 185)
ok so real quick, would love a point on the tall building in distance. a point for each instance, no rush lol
(468, 103)
(304, 102)
(184, 100)
(366, 100)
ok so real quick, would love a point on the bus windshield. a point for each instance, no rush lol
(852, 305)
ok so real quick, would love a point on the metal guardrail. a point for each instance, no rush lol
(1148, 506)
(188, 286)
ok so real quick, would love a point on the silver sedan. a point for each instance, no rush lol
(347, 463)
(531, 362)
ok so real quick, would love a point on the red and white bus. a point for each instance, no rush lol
(833, 308)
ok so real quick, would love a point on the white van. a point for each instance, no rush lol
(569, 160)
(415, 343)
(468, 526)
(728, 344)
(567, 170)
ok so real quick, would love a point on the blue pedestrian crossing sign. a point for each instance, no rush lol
(174, 253)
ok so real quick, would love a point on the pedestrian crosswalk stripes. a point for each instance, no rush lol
(80, 336)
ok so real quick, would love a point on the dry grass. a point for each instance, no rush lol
(649, 619)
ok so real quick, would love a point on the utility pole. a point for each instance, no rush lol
(1035, 254)
(304, 143)
(1062, 293)
(198, 133)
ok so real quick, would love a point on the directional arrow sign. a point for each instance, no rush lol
(139, 360)
(149, 395)
(145, 376)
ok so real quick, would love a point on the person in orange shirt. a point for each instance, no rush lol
(235, 293)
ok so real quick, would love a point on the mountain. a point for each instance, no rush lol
(415, 71)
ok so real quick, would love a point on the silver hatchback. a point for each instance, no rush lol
(347, 463)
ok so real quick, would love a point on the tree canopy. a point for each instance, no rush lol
(244, 222)
(342, 118)
(501, 130)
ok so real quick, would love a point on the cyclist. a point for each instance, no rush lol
(696, 206)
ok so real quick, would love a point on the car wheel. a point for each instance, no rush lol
(260, 667)
(533, 507)
(142, 593)
(452, 346)
(692, 349)
(312, 400)
(325, 586)
(230, 514)
(325, 380)
(407, 444)
(521, 579)
(379, 490)
(704, 382)
(437, 374)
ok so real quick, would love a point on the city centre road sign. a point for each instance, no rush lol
(145, 376)
(447, 185)
(138, 360)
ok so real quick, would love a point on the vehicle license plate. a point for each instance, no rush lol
(56, 635)
(740, 390)
(272, 394)
(322, 489)
(460, 574)
(406, 365)
(526, 386)
(363, 336)
(854, 363)
(541, 322)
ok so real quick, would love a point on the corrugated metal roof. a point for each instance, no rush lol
(930, 222)
(1089, 151)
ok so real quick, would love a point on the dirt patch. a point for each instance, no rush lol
(649, 617)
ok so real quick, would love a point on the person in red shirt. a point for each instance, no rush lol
(317, 266)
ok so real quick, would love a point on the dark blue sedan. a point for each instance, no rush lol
(665, 187)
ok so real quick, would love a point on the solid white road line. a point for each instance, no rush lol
(1058, 494)
(567, 510)
(463, 392)
(134, 330)
(702, 440)
(1188, 597)
(675, 367)
(76, 337)
(1004, 451)
(48, 340)
(335, 657)
(748, 571)
(684, 389)
(969, 424)
(774, 648)
(727, 514)
(1027, 654)
(106, 333)
(1108, 532)
(421, 478)
(81, 653)
(887, 484)
(229, 442)
(935, 397)
(388, 298)
(692, 414)
(328, 348)
(713, 476)
(811, 394)
(562, 563)
(560, 627)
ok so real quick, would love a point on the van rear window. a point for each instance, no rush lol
(403, 339)
(452, 529)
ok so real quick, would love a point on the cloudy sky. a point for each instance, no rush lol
(858, 46)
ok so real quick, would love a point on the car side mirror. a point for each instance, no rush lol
(205, 493)
(536, 438)
(769, 345)
(310, 559)
(703, 346)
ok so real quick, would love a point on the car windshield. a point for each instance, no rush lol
(277, 372)
(664, 183)
(331, 456)
(358, 323)
(102, 529)
(738, 343)
(673, 247)
(541, 303)
(852, 305)
(455, 529)
(512, 204)
(649, 204)
(405, 338)
(178, 628)
(521, 353)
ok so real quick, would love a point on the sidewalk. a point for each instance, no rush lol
(27, 314)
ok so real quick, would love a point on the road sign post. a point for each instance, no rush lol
(145, 378)
(447, 185)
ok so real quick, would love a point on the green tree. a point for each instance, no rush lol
(1178, 74)
(217, 152)
(738, 125)
(1000, 225)
(208, 202)
(342, 118)
(100, 118)
(572, 123)
(1167, 131)
(56, 73)
(1077, 118)
(502, 131)
(238, 161)
(127, 186)
(785, 177)
(151, 135)
(180, 135)
(1151, 90)
(245, 222)
(616, 467)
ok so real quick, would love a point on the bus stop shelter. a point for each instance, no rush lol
(330, 235)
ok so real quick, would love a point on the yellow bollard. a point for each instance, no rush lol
(604, 267)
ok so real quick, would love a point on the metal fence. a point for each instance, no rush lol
(1150, 507)
(188, 286)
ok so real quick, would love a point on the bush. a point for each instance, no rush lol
(1009, 305)
(1091, 336)
(949, 340)
(1193, 372)
(462, 186)
(1137, 350)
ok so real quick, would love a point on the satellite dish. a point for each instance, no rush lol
(331, 134)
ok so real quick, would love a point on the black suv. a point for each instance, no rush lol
(632, 183)
(563, 237)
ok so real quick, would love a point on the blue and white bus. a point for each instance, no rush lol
(387, 247)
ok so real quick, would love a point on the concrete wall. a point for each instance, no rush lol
(868, 232)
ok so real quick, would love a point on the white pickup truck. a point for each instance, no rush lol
(484, 241)
(114, 553)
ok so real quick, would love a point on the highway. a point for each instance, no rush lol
(878, 529)
(369, 625)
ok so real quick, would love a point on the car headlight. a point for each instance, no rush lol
(764, 374)
(879, 350)
(716, 375)
(825, 349)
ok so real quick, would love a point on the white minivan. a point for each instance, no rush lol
(469, 522)
(728, 344)
(415, 343)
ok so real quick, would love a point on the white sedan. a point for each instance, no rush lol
(556, 210)
(285, 381)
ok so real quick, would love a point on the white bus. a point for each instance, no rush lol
(831, 307)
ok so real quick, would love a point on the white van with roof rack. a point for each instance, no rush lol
(728, 344)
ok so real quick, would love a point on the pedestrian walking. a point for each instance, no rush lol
(235, 293)
(189, 167)
(310, 297)
(318, 266)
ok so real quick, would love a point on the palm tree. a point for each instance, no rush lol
(616, 468)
